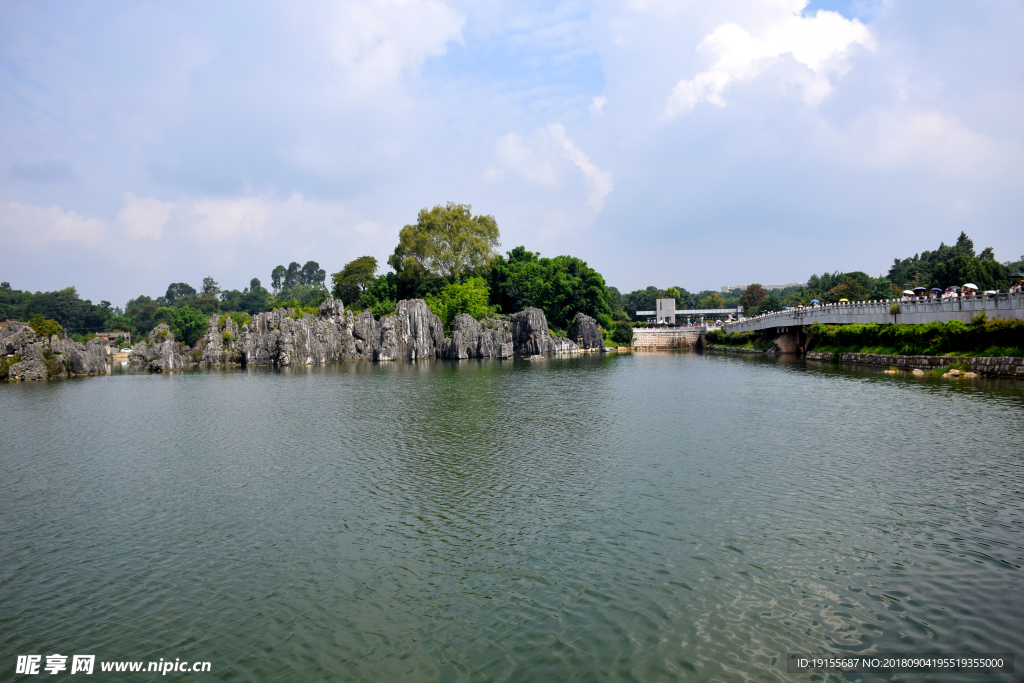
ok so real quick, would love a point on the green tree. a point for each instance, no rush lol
(351, 282)
(561, 286)
(291, 276)
(381, 295)
(312, 274)
(44, 327)
(713, 300)
(210, 286)
(752, 296)
(622, 333)
(446, 241)
(187, 323)
(457, 298)
(277, 278)
(177, 289)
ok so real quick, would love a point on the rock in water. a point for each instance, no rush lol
(159, 352)
(530, 335)
(585, 332)
(31, 366)
(219, 342)
(412, 332)
(487, 338)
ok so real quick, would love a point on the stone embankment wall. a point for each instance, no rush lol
(656, 338)
(1004, 366)
(732, 349)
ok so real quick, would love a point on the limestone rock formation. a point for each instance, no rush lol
(159, 353)
(586, 333)
(15, 336)
(412, 332)
(219, 342)
(32, 364)
(530, 335)
(69, 356)
(487, 338)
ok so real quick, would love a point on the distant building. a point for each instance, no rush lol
(666, 311)
(732, 288)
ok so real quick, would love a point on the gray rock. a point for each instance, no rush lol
(487, 338)
(15, 336)
(85, 363)
(31, 366)
(530, 335)
(159, 353)
(219, 343)
(585, 332)
(412, 332)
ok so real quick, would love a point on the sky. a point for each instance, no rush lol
(696, 144)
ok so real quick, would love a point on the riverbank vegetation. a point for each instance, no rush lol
(981, 337)
(741, 340)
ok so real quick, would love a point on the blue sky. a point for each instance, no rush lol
(688, 143)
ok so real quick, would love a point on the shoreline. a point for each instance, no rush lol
(995, 366)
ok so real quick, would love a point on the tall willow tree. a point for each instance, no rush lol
(446, 241)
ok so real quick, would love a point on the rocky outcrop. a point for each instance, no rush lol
(277, 338)
(159, 353)
(219, 342)
(472, 338)
(585, 332)
(52, 357)
(15, 336)
(32, 364)
(412, 332)
(530, 335)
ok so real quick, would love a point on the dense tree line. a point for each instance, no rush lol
(75, 315)
(449, 257)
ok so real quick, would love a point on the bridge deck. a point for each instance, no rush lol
(914, 312)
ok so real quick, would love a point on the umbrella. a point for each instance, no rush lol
(814, 301)
(920, 289)
(842, 300)
(908, 292)
(970, 286)
(936, 289)
(952, 288)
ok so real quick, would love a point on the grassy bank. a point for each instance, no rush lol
(740, 340)
(981, 338)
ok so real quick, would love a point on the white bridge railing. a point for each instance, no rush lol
(914, 311)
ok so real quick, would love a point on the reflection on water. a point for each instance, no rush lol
(649, 517)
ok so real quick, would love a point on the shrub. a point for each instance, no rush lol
(44, 327)
(5, 365)
(195, 355)
(622, 333)
(54, 365)
(457, 298)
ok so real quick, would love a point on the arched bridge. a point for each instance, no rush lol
(917, 311)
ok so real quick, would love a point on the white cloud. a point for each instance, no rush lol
(532, 163)
(597, 104)
(375, 41)
(220, 220)
(819, 43)
(542, 163)
(923, 138)
(36, 226)
(599, 181)
(144, 217)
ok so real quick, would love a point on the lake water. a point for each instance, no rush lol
(649, 517)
